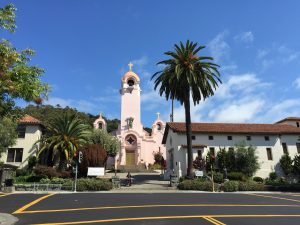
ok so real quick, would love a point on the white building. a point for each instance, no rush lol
(271, 142)
(29, 131)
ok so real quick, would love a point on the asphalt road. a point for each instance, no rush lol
(153, 208)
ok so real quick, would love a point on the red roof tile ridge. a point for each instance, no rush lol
(29, 119)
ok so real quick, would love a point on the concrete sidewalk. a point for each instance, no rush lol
(7, 219)
(142, 181)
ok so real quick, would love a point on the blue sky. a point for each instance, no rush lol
(85, 46)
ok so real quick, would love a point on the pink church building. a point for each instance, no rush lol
(137, 145)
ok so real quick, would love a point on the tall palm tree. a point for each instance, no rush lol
(67, 134)
(187, 75)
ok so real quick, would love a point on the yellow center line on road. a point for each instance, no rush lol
(3, 195)
(23, 208)
(268, 196)
(293, 195)
(169, 217)
(149, 206)
(214, 221)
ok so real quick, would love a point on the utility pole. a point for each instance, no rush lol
(172, 112)
(76, 172)
(78, 161)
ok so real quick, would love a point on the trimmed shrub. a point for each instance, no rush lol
(251, 186)
(258, 179)
(272, 176)
(32, 161)
(278, 181)
(57, 180)
(29, 178)
(284, 187)
(218, 178)
(231, 186)
(45, 181)
(236, 176)
(195, 185)
(46, 171)
(286, 164)
(92, 184)
(155, 166)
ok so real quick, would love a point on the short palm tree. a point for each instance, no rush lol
(67, 134)
(187, 75)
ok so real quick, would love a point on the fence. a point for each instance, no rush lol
(37, 187)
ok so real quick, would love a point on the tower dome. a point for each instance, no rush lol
(130, 77)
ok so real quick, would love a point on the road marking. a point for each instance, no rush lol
(214, 221)
(293, 195)
(166, 217)
(3, 195)
(149, 206)
(267, 196)
(20, 210)
(217, 221)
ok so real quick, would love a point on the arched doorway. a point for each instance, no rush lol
(130, 148)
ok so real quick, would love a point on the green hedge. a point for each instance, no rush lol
(93, 184)
(231, 186)
(258, 179)
(195, 185)
(284, 187)
(251, 186)
(31, 178)
(228, 186)
(236, 176)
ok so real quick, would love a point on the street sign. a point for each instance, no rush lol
(199, 173)
(95, 171)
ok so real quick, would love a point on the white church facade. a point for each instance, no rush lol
(271, 142)
(137, 145)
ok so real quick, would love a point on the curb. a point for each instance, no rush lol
(7, 219)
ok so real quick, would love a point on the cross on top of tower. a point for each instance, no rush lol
(157, 115)
(130, 65)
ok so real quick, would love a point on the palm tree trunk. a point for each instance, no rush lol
(188, 125)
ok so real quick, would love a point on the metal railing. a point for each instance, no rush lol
(37, 187)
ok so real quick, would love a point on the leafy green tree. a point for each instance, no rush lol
(8, 134)
(221, 159)
(246, 159)
(109, 142)
(296, 165)
(231, 160)
(47, 113)
(67, 134)
(186, 76)
(18, 79)
(286, 164)
(7, 17)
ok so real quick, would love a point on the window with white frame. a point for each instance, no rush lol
(14, 155)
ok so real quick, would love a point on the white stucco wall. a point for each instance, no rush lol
(33, 134)
(220, 140)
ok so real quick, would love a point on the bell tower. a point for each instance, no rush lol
(130, 101)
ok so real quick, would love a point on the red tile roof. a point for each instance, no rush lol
(29, 120)
(289, 119)
(233, 128)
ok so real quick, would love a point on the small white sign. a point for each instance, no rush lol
(199, 173)
(95, 171)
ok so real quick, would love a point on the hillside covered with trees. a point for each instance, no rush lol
(47, 113)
